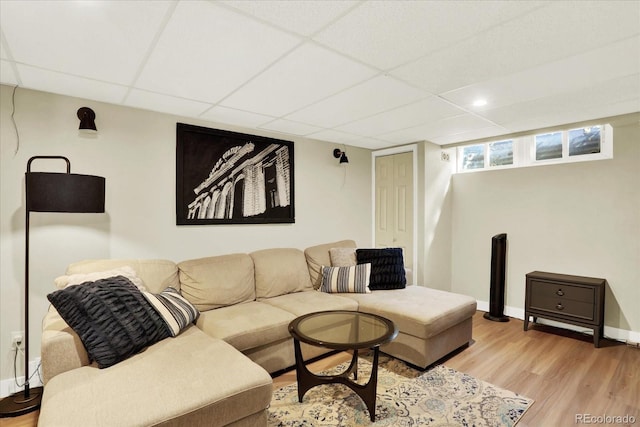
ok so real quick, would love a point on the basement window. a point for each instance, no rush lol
(564, 146)
(584, 141)
(501, 153)
(472, 157)
(483, 156)
(549, 146)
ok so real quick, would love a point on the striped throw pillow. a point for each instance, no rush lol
(352, 279)
(176, 311)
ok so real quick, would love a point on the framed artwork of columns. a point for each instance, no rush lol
(225, 177)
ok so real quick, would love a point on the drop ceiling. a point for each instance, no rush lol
(372, 74)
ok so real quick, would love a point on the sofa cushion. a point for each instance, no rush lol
(218, 281)
(247, 326)
(300, 303)
(354, 278)
(191, 380)
(405, 307)
(112, 318)
(156, 274)
(387, 267)
(280, 271)
(318, 256)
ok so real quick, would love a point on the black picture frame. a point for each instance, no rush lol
(225, 177)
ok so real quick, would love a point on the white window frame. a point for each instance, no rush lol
(487, 154)
(524, 151)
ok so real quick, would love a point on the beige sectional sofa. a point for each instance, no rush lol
(216, 373)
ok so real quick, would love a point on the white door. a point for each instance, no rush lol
(394, 204)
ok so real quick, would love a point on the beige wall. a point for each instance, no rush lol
(135, 152)
(580, 218)
(435, 234)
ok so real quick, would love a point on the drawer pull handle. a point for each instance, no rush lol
(559, 306)
(559, 292)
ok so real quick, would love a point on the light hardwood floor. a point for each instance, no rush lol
(560, 370)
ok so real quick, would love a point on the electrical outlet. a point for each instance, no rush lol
(17, 339)
(444, 156)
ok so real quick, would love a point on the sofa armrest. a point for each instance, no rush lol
(61, 348)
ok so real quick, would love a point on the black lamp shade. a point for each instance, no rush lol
(339, 154)
(64, 192)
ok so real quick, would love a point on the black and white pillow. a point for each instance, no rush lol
(387, 267)
(176, 311)
(351, 279)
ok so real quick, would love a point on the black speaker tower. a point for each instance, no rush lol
(498, 265)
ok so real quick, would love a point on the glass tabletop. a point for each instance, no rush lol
(343, 329)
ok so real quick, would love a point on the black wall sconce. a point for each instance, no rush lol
(87, 120)
(339, 154)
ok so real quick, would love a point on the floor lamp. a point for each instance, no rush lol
(49, 192)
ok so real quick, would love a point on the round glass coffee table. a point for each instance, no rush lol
(342, 330)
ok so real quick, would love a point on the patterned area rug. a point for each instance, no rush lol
(406, 397)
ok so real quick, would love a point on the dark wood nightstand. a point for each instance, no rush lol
(564, 298)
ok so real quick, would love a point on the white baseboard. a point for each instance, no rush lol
(9, 387)
(609, 332)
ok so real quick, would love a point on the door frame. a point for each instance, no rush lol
(413, 149)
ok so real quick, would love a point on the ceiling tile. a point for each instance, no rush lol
(7, 74)
(391, 33)
(104, 40)
(164, 103)
(371, 97)
(306, 75)
(399, 137)
(303, 17)
(626, 88)
(527, 41)
(235, 117)
(207, 51)
(580, 71)
(456, 125)
(428, 110)
(331, 135)
(487, 132)
(369, 143)
(612, 109)
(64, 84)
(287, 126)
(461, 124)
(570, 107)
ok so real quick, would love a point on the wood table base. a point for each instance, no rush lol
(367, 392)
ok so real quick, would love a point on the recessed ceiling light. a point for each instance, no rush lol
(479, 102)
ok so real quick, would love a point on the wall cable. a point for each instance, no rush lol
(15, 370)
(13, 120)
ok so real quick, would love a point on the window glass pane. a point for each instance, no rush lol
(549, 146)
(501, 153)
(473, 157)
(584, 141)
